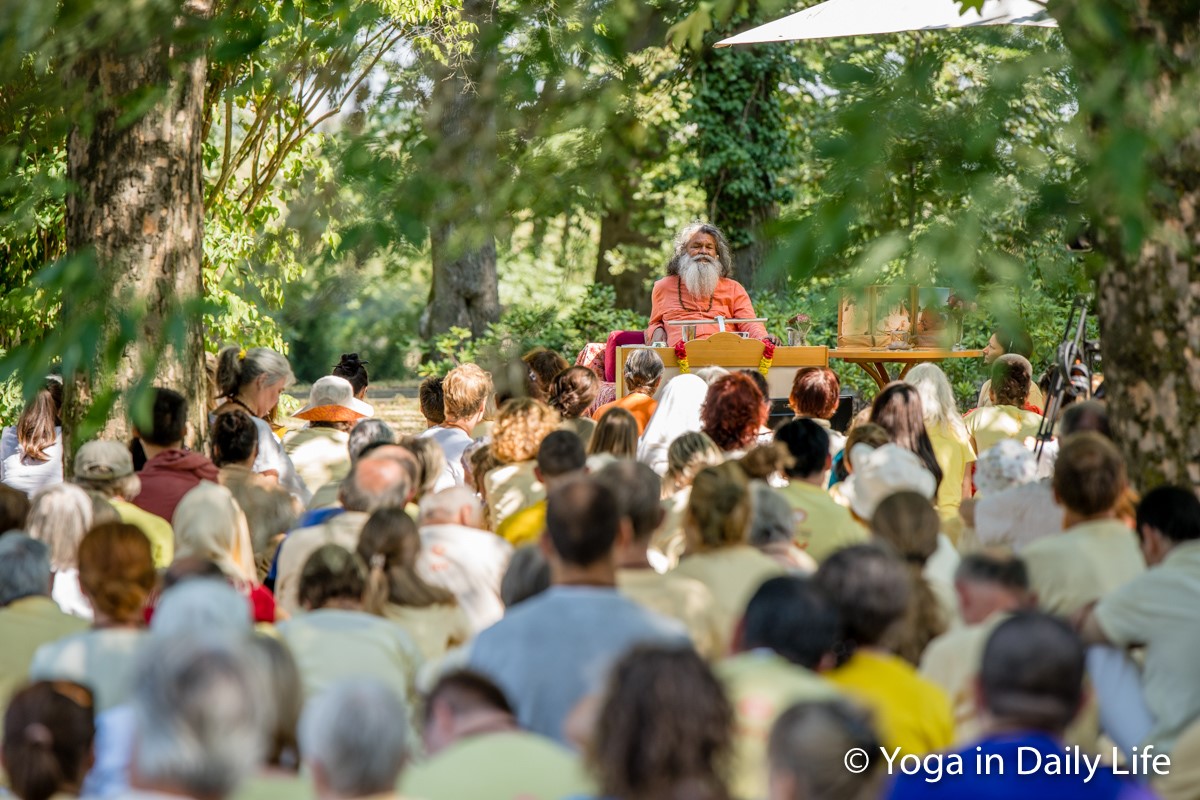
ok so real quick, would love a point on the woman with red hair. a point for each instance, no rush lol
(732, 412)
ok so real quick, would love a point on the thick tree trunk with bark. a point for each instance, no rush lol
(1148, 287)
(138, 205)
(465, 290)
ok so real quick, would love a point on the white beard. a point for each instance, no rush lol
(700, 275)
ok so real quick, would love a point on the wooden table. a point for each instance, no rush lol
(732, 352)
(874, 360)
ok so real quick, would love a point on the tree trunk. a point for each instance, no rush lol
(138, 206)
(623, 243)
(465, 290)
(1138, 86)
(749, 257)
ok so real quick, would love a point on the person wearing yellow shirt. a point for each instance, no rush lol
(106, 467)
(1006, 417)
(786, 637)
(637, 488)
(949, 437)
(822, 524)
(559, 457)
(475, 748)
(870, 587)
(717, 524)
(1096, 553)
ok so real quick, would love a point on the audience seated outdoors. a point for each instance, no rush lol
(582, 612)
(656, 599)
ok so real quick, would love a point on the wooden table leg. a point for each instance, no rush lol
(882, 375)
(877, 370)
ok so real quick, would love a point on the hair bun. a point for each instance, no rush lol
(350, 361)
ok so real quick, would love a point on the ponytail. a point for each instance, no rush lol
(375, 599)
(230, 363)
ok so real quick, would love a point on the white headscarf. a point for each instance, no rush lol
(209, 524)
(678, 413)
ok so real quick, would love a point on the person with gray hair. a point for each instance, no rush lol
(374, 482)
(773, 529)
(642, 375)
(60, 515)
(253, 380)
(200, 717)
(698, 285)
(106, 467)
(352, 742)
(28, 617)
(202, 604)
(458, 554)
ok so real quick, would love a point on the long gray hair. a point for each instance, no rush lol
(724, 255)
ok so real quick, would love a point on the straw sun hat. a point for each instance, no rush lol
(332, 399)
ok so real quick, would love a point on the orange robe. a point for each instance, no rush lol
(729, 300)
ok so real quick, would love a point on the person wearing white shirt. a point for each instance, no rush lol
(465, 391)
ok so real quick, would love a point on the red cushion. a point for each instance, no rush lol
(615, 340)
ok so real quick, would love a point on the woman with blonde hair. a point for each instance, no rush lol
(31, 451)
(520, 427)
(390, 546)
(948, 435)
(719, 555)
(209, 525)
(60, 516)
(253, 381)
(686, 456)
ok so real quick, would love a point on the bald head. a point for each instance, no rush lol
(375, 483)
(401, 455)
(454, 506)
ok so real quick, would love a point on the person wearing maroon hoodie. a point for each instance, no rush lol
(170, 471)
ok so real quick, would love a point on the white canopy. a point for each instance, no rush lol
(864, 17)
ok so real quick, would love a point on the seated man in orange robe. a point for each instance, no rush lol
(698, 286)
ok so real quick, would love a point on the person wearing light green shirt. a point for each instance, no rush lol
(822, 524)
(787, 635)
(474, 748)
